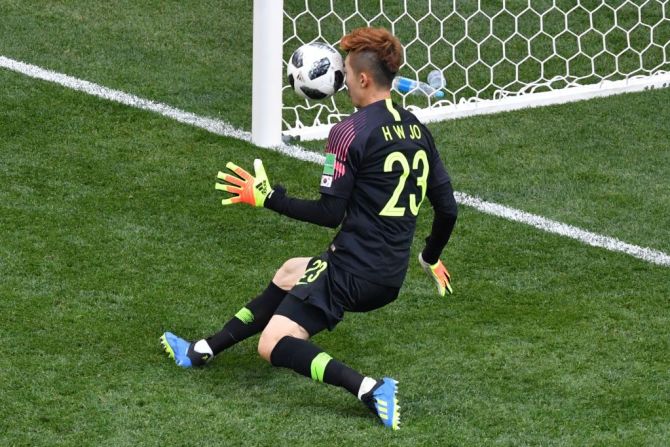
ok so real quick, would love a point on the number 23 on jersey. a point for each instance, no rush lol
(419, 163)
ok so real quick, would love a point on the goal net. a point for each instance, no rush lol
(494, 55)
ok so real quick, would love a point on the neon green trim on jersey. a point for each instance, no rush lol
(318, 366)
(245, 316)
(394, 112)
(329, 164)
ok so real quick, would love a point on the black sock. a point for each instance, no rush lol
(309, 360)
(248, 321)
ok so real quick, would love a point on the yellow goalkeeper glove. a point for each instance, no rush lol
(245, 188)
(439, 274)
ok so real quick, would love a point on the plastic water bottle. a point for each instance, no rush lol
(436, 80)
(407, 85)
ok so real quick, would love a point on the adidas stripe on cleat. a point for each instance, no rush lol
(382, 399)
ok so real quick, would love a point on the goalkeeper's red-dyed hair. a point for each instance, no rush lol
(375, 50)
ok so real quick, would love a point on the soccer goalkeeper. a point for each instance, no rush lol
(380, 164)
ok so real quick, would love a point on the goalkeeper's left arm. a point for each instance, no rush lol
(446, 211)
(255, 190)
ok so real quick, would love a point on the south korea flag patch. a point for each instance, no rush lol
(328, 171)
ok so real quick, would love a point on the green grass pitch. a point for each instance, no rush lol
(111, 232)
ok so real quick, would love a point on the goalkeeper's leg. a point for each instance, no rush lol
(248, 321)
(284, 343)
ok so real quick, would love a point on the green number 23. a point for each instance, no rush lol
(313, 272)
(420, 158)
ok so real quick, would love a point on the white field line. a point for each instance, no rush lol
(222, 128)
(552, 226)
(209, 124)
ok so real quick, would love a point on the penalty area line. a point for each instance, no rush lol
(222, 128)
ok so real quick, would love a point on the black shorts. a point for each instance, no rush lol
(320, 298)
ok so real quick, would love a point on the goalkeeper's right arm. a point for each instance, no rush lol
(328, 211)
(255, 190)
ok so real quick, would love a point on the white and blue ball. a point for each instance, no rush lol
(315, 71)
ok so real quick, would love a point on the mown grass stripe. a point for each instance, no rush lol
(220, 127)
(212, 125)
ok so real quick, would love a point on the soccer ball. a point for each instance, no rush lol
(315, 71)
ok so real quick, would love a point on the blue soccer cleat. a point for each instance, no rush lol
(182, 351)
(382, 399)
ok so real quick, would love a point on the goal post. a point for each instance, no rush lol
(266, 89)
(495, 55)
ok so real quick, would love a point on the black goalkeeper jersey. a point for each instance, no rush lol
(383, 161)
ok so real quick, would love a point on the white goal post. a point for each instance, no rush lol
(494, 55)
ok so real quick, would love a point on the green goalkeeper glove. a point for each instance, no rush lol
(439, 274)
(247, 188)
